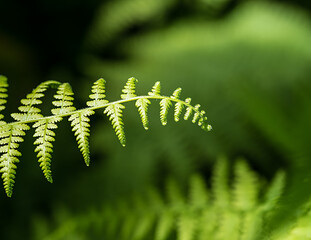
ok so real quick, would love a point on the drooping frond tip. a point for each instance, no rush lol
(11, 134)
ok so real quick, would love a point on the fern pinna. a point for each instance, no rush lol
(11, 134)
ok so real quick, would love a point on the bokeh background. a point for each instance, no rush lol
(248, 63)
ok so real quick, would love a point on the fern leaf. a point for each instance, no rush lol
(165, 106)
(3, 95)
(64, 100)
(114, 112)
(156, 90)
(98, 94)
(188, 109)
(28, 110)
(10, 137)
(246, 187)
(129, 89)
(45, 137)
(80, 125)
(142, 105)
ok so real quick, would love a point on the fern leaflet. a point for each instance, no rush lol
(98, 94)
(80, 125)
(142, 105)
(114, 111)
(129, 89)
(45, 137)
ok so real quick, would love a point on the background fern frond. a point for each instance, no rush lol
(64, 100)
(3, 95)
(142, 105)
(45, 136)
(114, 111)
(28, 110)
(98, 94)
(80, 125)
(150, 216)
(129, 89)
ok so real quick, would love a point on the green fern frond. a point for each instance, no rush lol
(63, 107)
(3, 95)
(142, 105)
(129, 89)
(28, 110)
(156, 90)
(152, 216)
(114, 112)
(45, 137)
(98, 94)
(80, 125)
(64, 100)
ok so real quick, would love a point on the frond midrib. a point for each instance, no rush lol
(103, 106)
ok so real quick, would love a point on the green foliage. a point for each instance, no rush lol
(184, 216)
(11, 134)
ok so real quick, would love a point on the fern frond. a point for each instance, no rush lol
(45, 137)
(156, 90)
(114, 112)
(63, 107)
(64, 100)
(80, 125)
(98, 94)
(3, 95)
(152, 216)
(28, 110)
(164, 107)
(129, 89)
(10, 137)
(142, 105)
